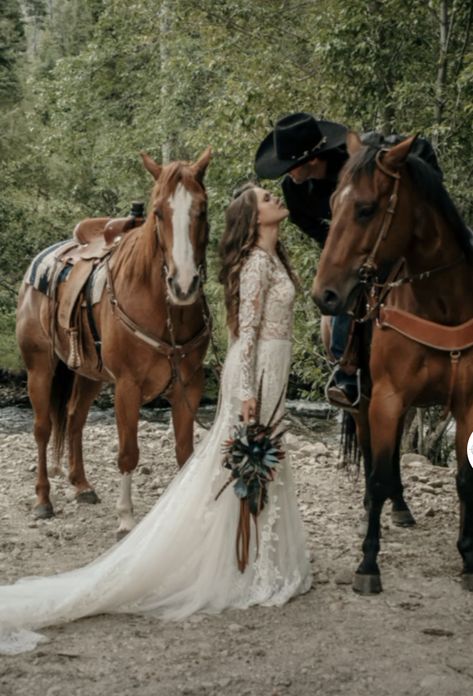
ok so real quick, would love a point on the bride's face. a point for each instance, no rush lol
(271, 210)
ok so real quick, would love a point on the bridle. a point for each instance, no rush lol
(375, 290)
(172, 350)
(369, 268)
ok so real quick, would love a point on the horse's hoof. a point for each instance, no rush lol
(44, 511)
(403, 518)
(467, 581)
(367, 584)
(89, 497)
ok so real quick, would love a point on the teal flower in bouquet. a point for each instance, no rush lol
(252, 455)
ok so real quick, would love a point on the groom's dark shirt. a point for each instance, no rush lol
(309, 203)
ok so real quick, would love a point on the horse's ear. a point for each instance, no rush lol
(354, 143)
(397, 155)
(201, 164)
(153, 167)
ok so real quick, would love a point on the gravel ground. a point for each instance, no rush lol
(415, 638)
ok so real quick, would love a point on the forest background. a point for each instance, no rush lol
(86, 84)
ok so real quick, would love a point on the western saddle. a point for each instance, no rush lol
(93, 240)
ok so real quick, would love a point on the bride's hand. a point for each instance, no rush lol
(248, 409)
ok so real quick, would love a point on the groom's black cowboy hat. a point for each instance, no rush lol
(296, 139)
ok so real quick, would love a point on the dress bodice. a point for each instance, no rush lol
(266, 310)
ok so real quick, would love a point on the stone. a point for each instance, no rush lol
(344, 577)
(414, 459)
(429, 489)
(322, 578)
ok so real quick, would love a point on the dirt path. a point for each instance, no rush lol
(415, 638)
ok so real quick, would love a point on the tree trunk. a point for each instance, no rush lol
(165, 22)
(444, 26)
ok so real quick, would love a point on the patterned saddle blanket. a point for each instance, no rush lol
(51, 267)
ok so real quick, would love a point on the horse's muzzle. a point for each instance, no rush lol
(331, 301)
(183, 297)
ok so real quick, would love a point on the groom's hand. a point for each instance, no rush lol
(248, 409)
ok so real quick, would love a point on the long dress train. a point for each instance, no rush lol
(181, 557)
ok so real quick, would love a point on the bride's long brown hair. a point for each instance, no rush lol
(238, 239)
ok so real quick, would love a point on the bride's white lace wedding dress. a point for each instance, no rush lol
(181, 557)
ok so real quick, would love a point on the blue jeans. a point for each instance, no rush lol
(341, 325)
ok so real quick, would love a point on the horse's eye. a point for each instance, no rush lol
(158, 213)
(365, 211)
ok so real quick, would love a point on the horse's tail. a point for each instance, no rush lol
(61, 390)
(350, 451)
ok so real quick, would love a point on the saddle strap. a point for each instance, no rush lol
(455, 356)
(425, 332)
(72, 288)
(163, 347)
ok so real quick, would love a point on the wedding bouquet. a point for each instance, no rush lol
(252, 454)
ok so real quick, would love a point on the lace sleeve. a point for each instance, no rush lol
(254, 283)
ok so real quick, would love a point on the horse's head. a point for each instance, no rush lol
(179, 212)
(371, 224)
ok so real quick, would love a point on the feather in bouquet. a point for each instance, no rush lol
(252, 454)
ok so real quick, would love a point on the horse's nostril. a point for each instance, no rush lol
(330, 297)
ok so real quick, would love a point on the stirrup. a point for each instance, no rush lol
(337, 397)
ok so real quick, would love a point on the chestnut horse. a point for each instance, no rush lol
(393, 220)
(153, 329)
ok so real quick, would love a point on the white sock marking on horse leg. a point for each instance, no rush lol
(125, 505)
(182, 251)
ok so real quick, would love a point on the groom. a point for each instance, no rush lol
(310, 153)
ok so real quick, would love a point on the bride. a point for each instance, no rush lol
(181, 558)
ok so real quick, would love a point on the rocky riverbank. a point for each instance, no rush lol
(414, 639)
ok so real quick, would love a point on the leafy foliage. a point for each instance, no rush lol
(86, 84)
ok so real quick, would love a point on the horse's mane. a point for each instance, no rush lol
(139, 248)
(428, 184)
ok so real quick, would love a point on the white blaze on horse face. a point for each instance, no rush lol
(182, 250)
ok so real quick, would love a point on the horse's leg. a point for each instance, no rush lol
(400, 513)
(465, 494)
(387, 415)
(364, 441)
(40, 377)
(127, 412)
(84, 392)
(185, 402)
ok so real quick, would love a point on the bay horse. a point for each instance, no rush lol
(397, 236)
(153, 329)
